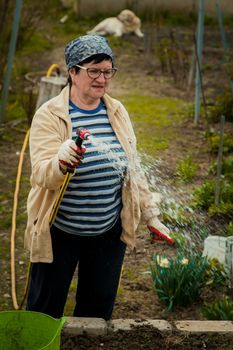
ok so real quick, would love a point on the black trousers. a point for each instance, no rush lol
(99, 261)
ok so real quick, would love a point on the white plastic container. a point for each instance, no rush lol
(215, 247)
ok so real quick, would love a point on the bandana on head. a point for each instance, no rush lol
(86, 46)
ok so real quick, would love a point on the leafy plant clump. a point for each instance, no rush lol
(216, 274)
(223, 210)
(227, 168)
(179, 281)
(230, 229)
(214, 140)
(204, 198)
(223, 106)
(219, 310)
(186, 169)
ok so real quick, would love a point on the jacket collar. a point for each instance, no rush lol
(60, 106)
(111, 104)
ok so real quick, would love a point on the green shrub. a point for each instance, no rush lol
(216, 274)
(230, 229)
(178, 281)
(204, 198)
(186, 170)
(204, 195)
(219, 310)
(227, 168)
(224, 210)
(223, 105)
(214, 141)
(226, 191)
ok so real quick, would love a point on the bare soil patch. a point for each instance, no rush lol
(147, 338)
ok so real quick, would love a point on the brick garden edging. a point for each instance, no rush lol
(97, 326)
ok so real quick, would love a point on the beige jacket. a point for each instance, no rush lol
(51, 126)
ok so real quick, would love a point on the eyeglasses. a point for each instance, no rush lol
(94, 73)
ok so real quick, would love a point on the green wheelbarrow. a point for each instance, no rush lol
(29, 330)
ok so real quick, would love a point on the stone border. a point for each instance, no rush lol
(97, 326)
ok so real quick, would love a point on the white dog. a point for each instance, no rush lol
(126, 22)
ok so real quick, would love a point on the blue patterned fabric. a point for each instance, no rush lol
(86, 46)
(92, 201)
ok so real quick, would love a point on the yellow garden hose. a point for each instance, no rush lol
(59, 198)
(14, 216)
(13, 228)
(52, 68)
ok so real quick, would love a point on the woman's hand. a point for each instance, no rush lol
(70, 156)
(159, 232)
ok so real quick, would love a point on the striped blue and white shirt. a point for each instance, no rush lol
(92, 201)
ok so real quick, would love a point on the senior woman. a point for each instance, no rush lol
(105, 199)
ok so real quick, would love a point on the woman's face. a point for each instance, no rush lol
(88, 88)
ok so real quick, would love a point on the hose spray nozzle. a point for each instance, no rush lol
(82, 134)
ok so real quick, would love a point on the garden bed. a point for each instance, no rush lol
(149, 338)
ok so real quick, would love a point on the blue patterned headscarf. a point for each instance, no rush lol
(86, 46)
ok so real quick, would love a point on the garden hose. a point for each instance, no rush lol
(53, 67)
(13, 229)
(14, 215)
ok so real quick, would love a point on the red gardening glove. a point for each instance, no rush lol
(159, 232)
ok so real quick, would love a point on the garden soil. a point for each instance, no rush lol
(136, 297)
(147, 338)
